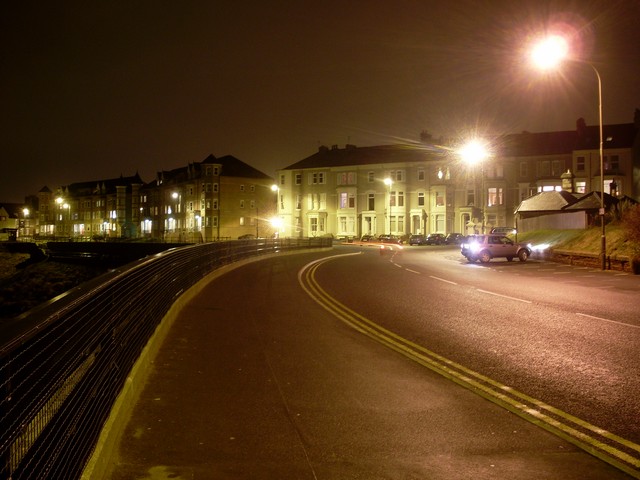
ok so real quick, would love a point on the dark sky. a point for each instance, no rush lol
(92, 90)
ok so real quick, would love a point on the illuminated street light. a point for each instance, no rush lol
(475, 152)
(548, 54)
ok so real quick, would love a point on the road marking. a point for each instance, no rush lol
(412, 271)
(443, 280)
(600, 443)
(505, 296)
(607, 320)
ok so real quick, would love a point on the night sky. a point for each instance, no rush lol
(92, 90)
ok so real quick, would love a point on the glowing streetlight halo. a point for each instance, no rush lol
(473, 152)
(547, 53)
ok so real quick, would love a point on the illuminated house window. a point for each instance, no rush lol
(495, 196)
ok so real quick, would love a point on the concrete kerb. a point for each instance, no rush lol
(104, 453)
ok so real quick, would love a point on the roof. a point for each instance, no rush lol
(565, 142)
(559, 201)
(592, 201)
(102, 186)
(546, 201)
(512, 145)
(354, 156)
(230, 166)
(13, 210)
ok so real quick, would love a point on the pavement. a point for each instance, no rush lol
(253, 380)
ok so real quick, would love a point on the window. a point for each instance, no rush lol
(397, 176)
(439, 199)
(371, 201)
(342, 200)
(216, 172)
(215, 204)
(316, 178)
(298, 179)
(580, 164)
(544, 168)
(556, 168)
(524, 169)
(494, 196)
(392, 199)
(421, 174)
(252, 204)
(471, 196)
(252, 188)
(281, 201)
(241, 203)
(370, 177)
(612, 163)
(214, 221)
(421, 199)
(215, 187)
(242, 188)
(581, 186)
(282, 179)
(241, 221)
(298, 202)
(313, 225)
(352, 201)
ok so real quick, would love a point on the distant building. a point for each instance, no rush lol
(404, 189)
(216, 199)
(98, 208)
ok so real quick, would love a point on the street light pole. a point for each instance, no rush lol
(546, 55)
(603, 240)
(472, 153)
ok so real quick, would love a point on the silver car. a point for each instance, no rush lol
(486, 247)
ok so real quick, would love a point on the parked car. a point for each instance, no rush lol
(417, 239)
(435, 239)
(367, 238)
(246, 236)
(386, 238)
(453, 238)
(504, 230)
(486, 247)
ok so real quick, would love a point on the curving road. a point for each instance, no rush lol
(351, 364)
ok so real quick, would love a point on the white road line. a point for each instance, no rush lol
(412, 271)
(443, 280)
(505, 296)
(606, 320)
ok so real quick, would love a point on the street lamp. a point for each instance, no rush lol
(548, 54)
(473, 153)
(388, 182)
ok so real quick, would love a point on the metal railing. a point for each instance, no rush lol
(63, 365)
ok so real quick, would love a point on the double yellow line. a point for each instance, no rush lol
(615, 450)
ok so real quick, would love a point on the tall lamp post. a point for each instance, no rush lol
(472, 153)
(547, 55)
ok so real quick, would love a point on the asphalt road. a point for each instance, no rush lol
(286, 368)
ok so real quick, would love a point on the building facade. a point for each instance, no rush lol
(216, 199)
(407, 189)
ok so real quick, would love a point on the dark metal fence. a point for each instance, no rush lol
(63, 365)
